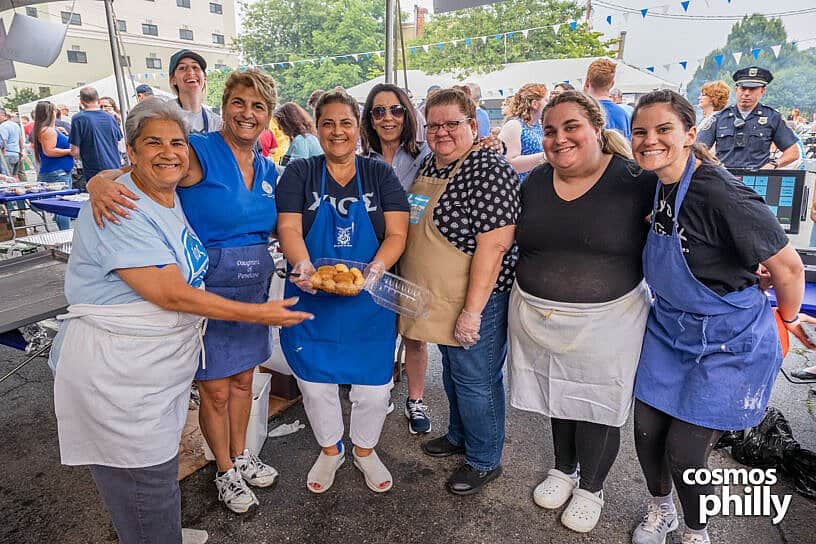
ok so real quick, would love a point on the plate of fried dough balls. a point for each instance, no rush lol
(344, 278)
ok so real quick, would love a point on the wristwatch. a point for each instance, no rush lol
(774, 163)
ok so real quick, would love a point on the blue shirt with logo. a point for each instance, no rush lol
(153, 236)
(220, 208)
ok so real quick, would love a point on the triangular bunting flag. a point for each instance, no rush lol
(776, 49)
(425, 48)
(525, 33)
(573, 25)
(556, 28)
(440, 46)
(626, 17)
(412, 50)
(499, 37)
(684, 64)
(467, 42)
(501, 92)
(609, 19)
(719, 60)
(755, 52)
(650, 68)
(644, 12)
(685, 5)
(737, 56)
(484, 39)
(509, 35)
(666, 67)
(357, 56)
(663, 9)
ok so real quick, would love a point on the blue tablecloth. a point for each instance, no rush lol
(34, 196)
(808, 302)
(68, 208)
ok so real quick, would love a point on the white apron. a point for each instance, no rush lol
(575, 360)
(122, 383)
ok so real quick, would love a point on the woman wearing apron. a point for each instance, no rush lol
(711, 351)
(227, 179)
(579, 306)
(342, 206)
(464, 207)
(522, 133)
(129, 344)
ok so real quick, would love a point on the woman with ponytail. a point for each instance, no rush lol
(711, 352)
(579, 306)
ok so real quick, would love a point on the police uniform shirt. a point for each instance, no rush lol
(746, 143)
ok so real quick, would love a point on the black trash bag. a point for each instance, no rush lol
(729, 439)
(800, 464)
(765, 445)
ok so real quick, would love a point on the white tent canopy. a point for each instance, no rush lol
(105, 87)
(511, 77)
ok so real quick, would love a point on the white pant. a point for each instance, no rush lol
(369, 404)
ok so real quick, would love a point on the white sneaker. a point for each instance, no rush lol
(255, 471)
(234, 492)
(658, 522)
(695, 538)
(193, 536)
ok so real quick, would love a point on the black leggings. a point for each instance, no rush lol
(593, 445)
(667, 447)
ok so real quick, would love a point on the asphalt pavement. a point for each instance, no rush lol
(44, 502)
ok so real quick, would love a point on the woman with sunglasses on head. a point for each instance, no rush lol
(711, 352)
(390, 135)
(299, 127)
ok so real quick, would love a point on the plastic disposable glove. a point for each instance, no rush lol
(373, 273)
(301, 276)
(467, 329)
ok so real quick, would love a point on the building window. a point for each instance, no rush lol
(80, 57)
(218, 38)
(150, 30)
(45, 91)
(32, 12)
(185, 34)
(125, 61)
(216, 8)
(153, 63)
(121, 25)
(71, 18)
(183, 3)
(219, 66)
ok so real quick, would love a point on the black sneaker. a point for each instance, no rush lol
(441, 447)
(467, 480)
(417, 413)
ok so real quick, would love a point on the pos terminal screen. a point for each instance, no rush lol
(782, 191)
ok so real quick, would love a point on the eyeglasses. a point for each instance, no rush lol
(397, 111)
(449, 126)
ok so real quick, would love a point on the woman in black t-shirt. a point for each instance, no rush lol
(579, 305)
(711, 350)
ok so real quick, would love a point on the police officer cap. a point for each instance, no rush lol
(752, 76)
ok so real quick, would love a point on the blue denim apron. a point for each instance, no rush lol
(351, 340)
(707, 359)
(242, 274)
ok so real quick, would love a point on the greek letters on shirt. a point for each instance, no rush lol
(343, 204)
(664, 218)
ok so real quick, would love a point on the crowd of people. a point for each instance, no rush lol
(604, 257)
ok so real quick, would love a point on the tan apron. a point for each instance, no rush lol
(431, 261)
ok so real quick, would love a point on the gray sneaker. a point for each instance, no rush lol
(658, 522)
(234, 492)
(689, 538)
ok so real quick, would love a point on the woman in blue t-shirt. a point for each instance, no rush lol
(299, 127)
(52, 151)
(340, 206)
(227, 179)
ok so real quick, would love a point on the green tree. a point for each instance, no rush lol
(500, 18)
(215, 87)
(793, 69)
(277, 33)
(20, 95)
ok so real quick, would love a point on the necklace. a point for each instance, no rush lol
(663, 190)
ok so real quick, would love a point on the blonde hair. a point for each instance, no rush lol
(601, 74)
(253, 78)
(522, 104)
(612, 142)
(718, 92)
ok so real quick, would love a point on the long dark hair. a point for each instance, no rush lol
(43, 115)
(683, 109)
(294, 120)
(409, 123)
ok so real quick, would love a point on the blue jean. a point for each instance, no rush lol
(145, 503)
(63, 222)
(475, 388)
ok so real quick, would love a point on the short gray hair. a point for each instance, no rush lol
(153, 109)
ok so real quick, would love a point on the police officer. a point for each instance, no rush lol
(741, 134)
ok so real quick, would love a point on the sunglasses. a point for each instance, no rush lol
(397, 111)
